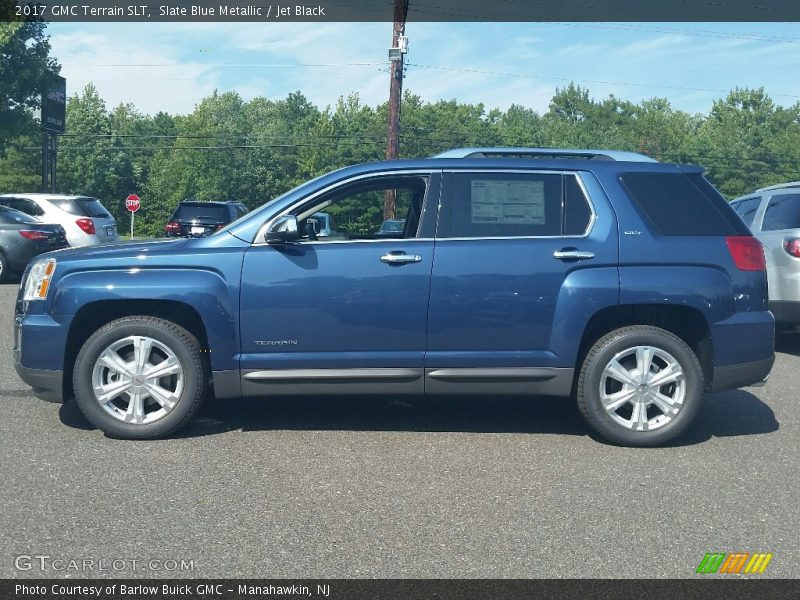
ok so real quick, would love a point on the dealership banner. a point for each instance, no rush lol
(394, 589)
(277, 11)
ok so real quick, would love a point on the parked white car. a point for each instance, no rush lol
(773, 215)
(85, 219)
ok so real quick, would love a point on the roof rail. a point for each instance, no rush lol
(780, 186)
(619, 155)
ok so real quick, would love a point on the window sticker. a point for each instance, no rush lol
(508, 202)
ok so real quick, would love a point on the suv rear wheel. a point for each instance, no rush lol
(140, 377)
(639, 386)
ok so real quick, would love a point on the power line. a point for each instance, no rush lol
(598, 81)
(66, 148)
(225, 65)
(690, 32)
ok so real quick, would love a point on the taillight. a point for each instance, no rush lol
(34, 235)
(172, 227)
(87, 225)
(792, 246)
(747, 253)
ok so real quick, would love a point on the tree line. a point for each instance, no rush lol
(228, 148)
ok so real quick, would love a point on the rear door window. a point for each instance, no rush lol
(489, 205)
(783, 212)
(747, 208)
(82, 207)
(682, 204)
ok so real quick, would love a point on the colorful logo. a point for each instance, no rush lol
(735, 562)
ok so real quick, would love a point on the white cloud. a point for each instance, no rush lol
(647, 47)
(497, 64)
(122, 68)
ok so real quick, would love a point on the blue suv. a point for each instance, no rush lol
(626, 284)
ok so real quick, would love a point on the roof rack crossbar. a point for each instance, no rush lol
(780, 186)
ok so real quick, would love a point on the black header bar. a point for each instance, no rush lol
(276, 11)
(702, 587)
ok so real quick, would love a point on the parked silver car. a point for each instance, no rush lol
(85, 219)
(773, 215)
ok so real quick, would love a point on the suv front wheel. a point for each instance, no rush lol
(639, 386)
(140, 377)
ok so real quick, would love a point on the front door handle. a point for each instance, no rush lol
(571, 254)
(400, 258)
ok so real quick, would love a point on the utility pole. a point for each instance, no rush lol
(396, 54)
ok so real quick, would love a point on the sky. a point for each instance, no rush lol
(171, 66)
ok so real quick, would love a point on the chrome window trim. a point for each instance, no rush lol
(384, 240)
(577, 174)
(374, 175)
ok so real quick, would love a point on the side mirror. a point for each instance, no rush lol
(283, 230)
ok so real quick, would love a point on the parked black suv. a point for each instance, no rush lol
(195, 218)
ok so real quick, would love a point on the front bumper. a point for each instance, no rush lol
(39, 343)
(47, 385)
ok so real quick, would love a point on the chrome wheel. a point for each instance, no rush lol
(137, 379)
(642, 388)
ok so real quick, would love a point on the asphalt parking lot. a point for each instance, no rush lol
(411, 488)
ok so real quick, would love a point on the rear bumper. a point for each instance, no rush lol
(785, 312)
(742, 374)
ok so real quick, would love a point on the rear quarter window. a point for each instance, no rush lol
(782, 212)
(681, 204)
(82, 207)
(746, 209)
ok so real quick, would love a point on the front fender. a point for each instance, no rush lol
(204, 290)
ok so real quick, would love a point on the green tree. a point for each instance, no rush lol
(25, 65)
(91, 160)
(734, 141)
(141, 136)
(205, 162)
(20, 168)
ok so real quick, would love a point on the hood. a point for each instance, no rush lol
(133, 250)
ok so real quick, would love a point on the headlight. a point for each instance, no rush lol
(38, 281)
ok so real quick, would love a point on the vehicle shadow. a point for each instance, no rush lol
(724, 414)
(787, 342)
(732, 413)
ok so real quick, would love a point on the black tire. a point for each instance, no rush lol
(189, 354)
(5, 274)
(600, 355)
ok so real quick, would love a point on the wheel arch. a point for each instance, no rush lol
(94, 315)
(687, 323)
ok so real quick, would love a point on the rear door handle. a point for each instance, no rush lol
(400, 258)
(571, 254)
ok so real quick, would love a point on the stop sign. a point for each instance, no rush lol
(132, 203)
